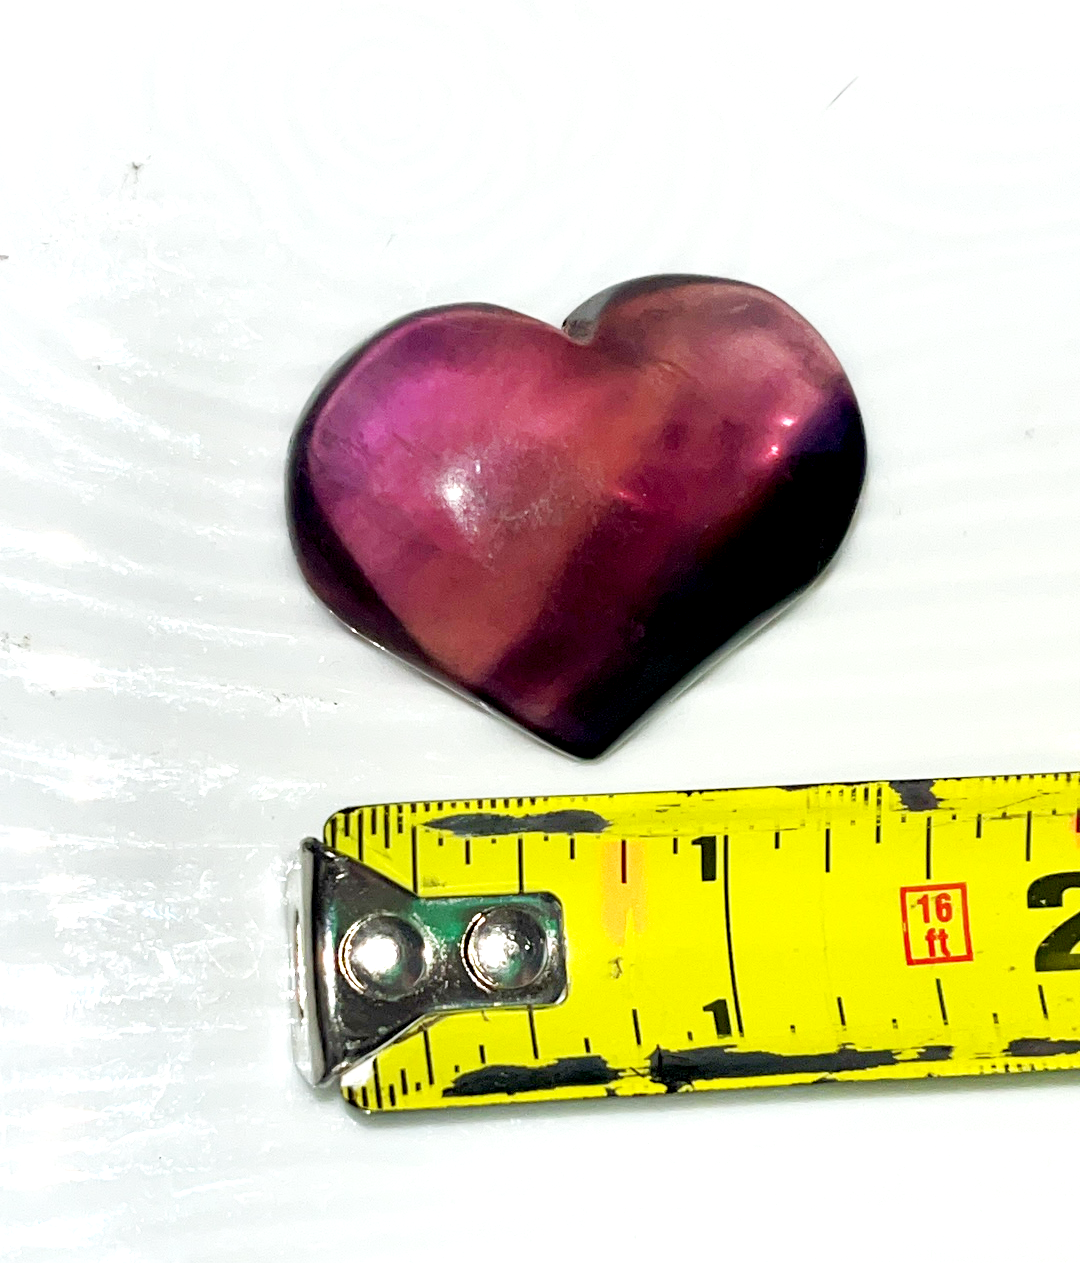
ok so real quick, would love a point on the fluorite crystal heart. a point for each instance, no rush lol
(566, 524)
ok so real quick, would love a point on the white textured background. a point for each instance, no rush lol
(202, 205)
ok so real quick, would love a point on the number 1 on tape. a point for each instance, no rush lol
(483, 951)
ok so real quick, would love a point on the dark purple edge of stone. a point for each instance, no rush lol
(624, 696)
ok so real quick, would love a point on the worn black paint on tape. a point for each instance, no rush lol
(567, 1072)
(1042, 1047)
(916, 795)
(677, 1070)
(489, 824)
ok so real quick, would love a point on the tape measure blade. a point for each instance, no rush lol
(745, 937)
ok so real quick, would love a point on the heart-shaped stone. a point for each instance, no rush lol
(565, 525)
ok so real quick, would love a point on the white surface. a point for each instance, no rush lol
(202, 207)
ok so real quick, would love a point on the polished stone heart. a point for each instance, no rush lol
(566, 524)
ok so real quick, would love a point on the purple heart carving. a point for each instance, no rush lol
(566, 524)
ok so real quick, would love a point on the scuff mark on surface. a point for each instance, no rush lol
(841, 93)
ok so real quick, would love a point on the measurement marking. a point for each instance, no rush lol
(364, 1098)
(374, 819)
(521, 867)
(929, 847)
(622, 860)
(333, 832)
(390, 1094)
(1027, 839)
(828, 849)
(776, 840)
(399, 827)
(674, 846)
(689, 1037)
(637, 1027)
(532, 1034)
(708, 856)
(386, 827)
(359, 835)
(895, 1024)
(1042, 1002)
(404, 1084)
(468, 850)
(840, 1010)
(483, 1055)
(415, 871)
(588, 1046)
(720, 1016)
(427, 1058)
(978, 825)
(995, 1017)
(378, 1085)
(571, 848)
(941, 1001)
(793, 1030)
(877, 832)
(730, 943)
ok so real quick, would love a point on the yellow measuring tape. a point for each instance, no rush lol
(744, 937)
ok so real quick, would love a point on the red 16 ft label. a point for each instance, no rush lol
(937, 930)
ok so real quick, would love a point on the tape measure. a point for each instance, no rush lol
(531, 949)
